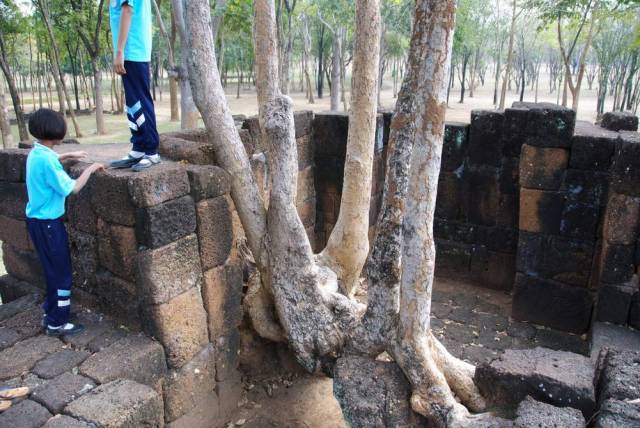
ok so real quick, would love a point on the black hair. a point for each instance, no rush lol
(46, 124)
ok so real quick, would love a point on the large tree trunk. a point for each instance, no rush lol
(335, 70)
(5, 125)
(507, 73)
(189, 113)
(13, 91)
(173, 81)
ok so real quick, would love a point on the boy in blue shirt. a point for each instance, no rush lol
(48, 185)
(131, 36)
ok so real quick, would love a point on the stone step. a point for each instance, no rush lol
(532, 413)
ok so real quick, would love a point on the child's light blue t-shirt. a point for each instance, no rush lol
(138, 46)
(48, 185)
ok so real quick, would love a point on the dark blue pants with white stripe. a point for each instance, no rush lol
(140, 110)
(50, 240)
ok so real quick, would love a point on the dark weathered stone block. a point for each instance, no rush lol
(634, 311)
(80, 211)
(616, 263)
(579, 220)
(452, 259)
(586, 186)
(199, 135)
(110, 197)
(330, 134)
(510, 176)
(619, 375)
(515, 125)
(622, 219)
(14, 199)
(614, 302)
(485, 137)
(541, 211)
(195, 152)
(454, 148)
(23, 265)
(449, 202)
(532, 413)
(13, 164)
(208, 181)
(542, 168)
(617, 413)
(161, 224)
(117, 297)
(502, 239)
(58, 363)
(551, 304)
(25, 414)
(227, 356)
(117, 249)
(62, 390)
(215, 231)
(548, 125)
(625, 169)
(14, 232)
(508, 211)
(159, 184)
(592, 147)
(303, 120)
(619, 121)
(482, 192)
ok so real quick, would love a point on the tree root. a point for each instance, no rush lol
(260, 307)
(439, 380)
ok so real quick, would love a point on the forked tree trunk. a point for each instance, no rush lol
(320, 322)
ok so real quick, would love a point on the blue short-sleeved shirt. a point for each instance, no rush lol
(138, 46)
(48, 185)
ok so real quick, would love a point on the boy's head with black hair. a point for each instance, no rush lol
(47, 125)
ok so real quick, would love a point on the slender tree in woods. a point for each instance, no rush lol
(515, 13)
(310, 293)
(189, 114)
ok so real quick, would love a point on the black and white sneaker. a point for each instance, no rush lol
(146, 162)
(65, 330)
(126, 162)
(72, 317)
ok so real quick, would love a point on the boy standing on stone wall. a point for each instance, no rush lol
(132, 34)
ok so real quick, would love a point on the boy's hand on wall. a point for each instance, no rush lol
(118, 63)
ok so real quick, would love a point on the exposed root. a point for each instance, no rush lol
(259, 306)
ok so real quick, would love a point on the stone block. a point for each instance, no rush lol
(222, 297)
(161, 224)
(586, 186)
(14, 232)
(634, 311)
(110, 197)
(625, 168)
(619, 375)
(208, 181)
(22, 356)
(183, 387)
(62, 390)
(303, 121)
(12, 288)
(542, 168)
(9, 308)
(508, 211)
(13, 164)
(592, 147)
(455, 231)
(64, 421)
(305, 189)
(305, 147)
(119, 404)
(374, 393)
(559, 378)
(162, 183)
(215, 231)
(453, 259)
(551, 304)
(622, 219)
(166, 272)
(330, 134)
(548, 125)
(579, 220)
(25, 414)
(500, 271)
(106, 339)
(227, 356)
(14, 200)
(117, 297)
(80, 211)
(229, 393)
(614, 302)
(485, 137)
(23, 265)
(482, 191)
(616, 263)
(541, 211)
(454, 148)
(252, 124)
(60, 362)
(510, 176)
(618, 414)
(84, 258)
(117, 249)
(195, 152)
(502, 239)
(198, 135)
(619, 121)
(133, 357)
(205, 414)
(8, 338)
(532, 413)
(515, 125)
(449, 201)
(25, 324)
(248, 141)
(180, 325)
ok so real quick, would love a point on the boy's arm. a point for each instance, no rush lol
(123, 34)
(84, 177)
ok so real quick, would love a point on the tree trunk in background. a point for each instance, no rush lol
(285, 64)
(173, 81)
(5, 125)
(306, 47)
(465, 61)
(507, 73)
(13, 91)
(335, 70)
(320, 80)
(189, 113)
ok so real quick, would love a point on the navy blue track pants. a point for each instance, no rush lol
(140, 110)
(52, 245)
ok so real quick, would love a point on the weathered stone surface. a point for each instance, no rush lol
(510, 176)
(541, 211)
(208, 181)
(205, 414)
(12, 288)
(14, 232)
(134, 357)
(62, 390)
(22, 356)
(616, 263)
(26, 324)
(215, 231)
(106, 339)
(485, 137)
(23, 265)
(64, 421)
(58, 363)
(579, 220)
(449, 202)
(161, 224)
(453, 259)
(229, 393)
(614, 302)
(183, 387)
(625, 169)
(14, 199)
(13, 164)
(586, 186)
(373, 393)
(482, 193)
(330, 134)
(634, 311)
(119, 404)
(559, 378)
(303, 122)
(532, 413)
(165, 272)
(8, 338)
(25, 414)
(110, 197)
(592, 147)
(181, 326)
(198, 135)
(542, 168)
(118, 298)
(227, 356)
(454, 148)
(84, 258)
(80, 211)
(222, 297)
(195, 152)
(305, 148)
(13, 307)
(619, 376)
(548, 125)
(515, 125)
(117, 248)
(622, 219)
(159, 184)
(551, 304)
(618, 414)
(619, 121)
